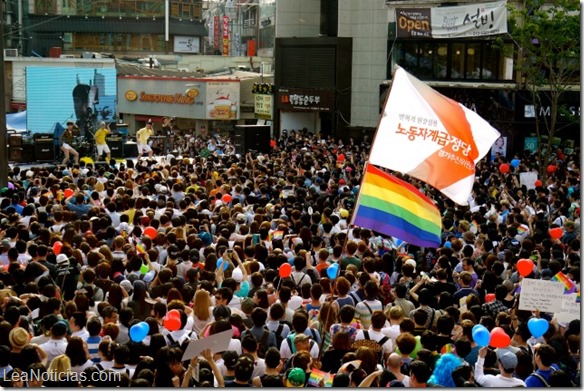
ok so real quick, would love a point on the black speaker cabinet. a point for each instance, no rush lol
(15, 154)
(252, 138)
(28, 153)
(44, 150)
(116, 147)
(130, 149)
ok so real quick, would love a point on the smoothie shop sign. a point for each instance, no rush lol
(214, 99)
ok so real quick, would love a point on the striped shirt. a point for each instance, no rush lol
(93, 347)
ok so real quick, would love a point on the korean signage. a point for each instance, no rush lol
(225, 35)
(216, 32)
(184, 44)
(305, 99)
(473, 20)
(182, 98)
(263, 106)
(211, 32)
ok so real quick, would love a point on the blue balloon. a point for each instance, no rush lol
(537, 327)
(481, 335)
(515, 162)
(139, 331)
(448, 244)
(221, 262)
(332, 271)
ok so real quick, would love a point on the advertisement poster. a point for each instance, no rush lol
(223, 100)
(54, 96)
(473, 20)
(184, 44)
(226, 35)
(499, 147)
(263, 106)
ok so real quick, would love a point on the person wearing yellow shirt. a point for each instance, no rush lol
(142, 137)
(100, 142)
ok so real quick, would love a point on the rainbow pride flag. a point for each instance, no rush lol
(315, 377)
(569, 286)
(578, 297)
(393, 207)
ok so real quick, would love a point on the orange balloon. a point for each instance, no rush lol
(525, 267)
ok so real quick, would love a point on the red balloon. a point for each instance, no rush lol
(68, 192)
(57, 246)
(226, 198)
(504, 168)
(171, 323)
(525, 267)
(489, 297)
(538, 183)
(173, 314)
(150, 232)
(285, 270)
(341, 158)
(551, 168)
(499, 338)
(556, 233)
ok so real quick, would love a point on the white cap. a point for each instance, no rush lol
(62, 260)
(237, 275)
(411, 262)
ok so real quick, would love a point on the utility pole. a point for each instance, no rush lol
(3, 149)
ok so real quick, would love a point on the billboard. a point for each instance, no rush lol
(86, 96)
(182, 98)
(183, 44)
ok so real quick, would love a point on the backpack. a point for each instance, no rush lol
(262, 342)
(183, 345)
(299, 285)
(385, 289)
(372, 344)
(278, 334)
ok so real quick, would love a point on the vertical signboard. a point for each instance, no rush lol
(226, 35)
(216, 32)
(211, 32)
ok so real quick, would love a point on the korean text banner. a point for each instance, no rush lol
(431, 137)
(472, 20)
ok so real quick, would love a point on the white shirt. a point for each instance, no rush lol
(494, 381)
(53, 348)
(83, 334)
(286, 353)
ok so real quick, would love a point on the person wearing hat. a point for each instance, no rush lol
(18, 338)
(100, 143)
(66, 140)
(295, 378)
(142, 137)
(507, 362)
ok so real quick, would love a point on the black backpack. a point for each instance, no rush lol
(262, 342)
(278, 334)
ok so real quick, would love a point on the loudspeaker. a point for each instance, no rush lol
(130, 149)
(15, 154)
(28, 153)
(116, 147)
(44, 150)
(15, 140)
(252, 137)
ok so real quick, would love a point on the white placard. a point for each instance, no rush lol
(546, 296)
(216, 342)
(528, 179)
(184, 44)
(570, 309)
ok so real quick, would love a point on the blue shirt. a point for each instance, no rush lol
(80, 210)
(533, 381)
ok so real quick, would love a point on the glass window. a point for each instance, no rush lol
(490, 62)
(473, 61)
(45, 6)
(441, 61)
(425, 60)
(408, 57)
(457, 61)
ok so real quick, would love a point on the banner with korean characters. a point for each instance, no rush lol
(305, 99)
(472, 20)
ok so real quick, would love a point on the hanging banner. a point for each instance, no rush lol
(473, 20)
(211, 32)
(226, 35)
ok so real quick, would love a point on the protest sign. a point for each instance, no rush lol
(542, 295)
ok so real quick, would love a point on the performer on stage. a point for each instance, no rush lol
(142, 137)
(66, 140)
(100, 142)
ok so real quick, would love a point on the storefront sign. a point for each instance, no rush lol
(184, 44)
(263, 106)
(473, 20)
(305, 99)
(181, 98)
(211, 32)
(216, 32)
(226, 35)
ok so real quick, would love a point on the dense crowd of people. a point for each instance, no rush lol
(96, 258)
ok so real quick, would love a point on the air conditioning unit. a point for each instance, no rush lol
(10, 53)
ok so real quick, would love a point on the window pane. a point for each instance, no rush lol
(457, 63)
(473, 61)
(426, 55)
(408, 58)
(441, 61)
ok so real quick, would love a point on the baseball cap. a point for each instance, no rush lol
(229, 359)
(237, 275)
(508, 360)
(296, 378)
